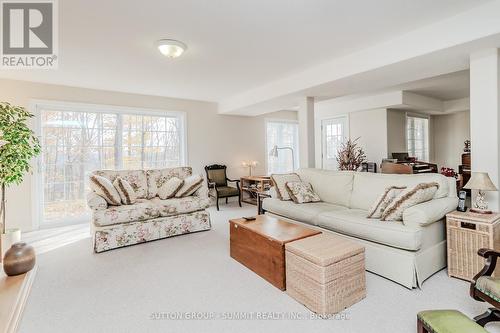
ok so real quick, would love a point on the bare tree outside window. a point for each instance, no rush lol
(77, 142)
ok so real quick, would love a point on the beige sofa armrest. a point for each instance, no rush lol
(429, 212)
(96, 202)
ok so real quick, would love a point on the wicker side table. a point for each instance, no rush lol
(466, 233)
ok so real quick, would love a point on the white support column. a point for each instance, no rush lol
(484, 117)
(306, 133)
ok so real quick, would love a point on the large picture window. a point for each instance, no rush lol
(76, 141)
(283, 134)
(417, 137)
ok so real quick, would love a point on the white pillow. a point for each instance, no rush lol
(125, 190)
(383, 201)
(279, 182)
(103, 187)
(191, 185)
(170, 188)
(408, 198)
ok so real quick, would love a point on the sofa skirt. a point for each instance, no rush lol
(408, 268)
(121, 235)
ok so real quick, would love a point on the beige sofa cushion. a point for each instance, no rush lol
(334, 187)
(306, 212)
(176, 206)
(142, 210)
(368, 186)
(136, 178)
(353, 222)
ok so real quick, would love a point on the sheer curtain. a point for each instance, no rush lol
(282, 134)
(418, 137)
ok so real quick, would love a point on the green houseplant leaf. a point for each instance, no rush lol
(22, 146)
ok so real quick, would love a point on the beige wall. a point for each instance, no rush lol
(211, 138)
(396, 132)
(371, 128)
(449, 133)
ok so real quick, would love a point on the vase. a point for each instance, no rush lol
(10, 237)
(19, 259)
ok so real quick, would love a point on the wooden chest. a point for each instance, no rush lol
(260, 245)
(467, 233)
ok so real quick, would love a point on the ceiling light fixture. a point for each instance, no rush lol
(171, 48)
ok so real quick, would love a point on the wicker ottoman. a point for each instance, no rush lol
(326, 273)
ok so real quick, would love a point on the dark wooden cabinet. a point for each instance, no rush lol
(464, 171)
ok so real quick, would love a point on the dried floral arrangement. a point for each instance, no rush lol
(350, 155)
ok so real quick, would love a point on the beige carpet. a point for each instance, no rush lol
(147, 288)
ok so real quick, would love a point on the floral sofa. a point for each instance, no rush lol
(150, 218)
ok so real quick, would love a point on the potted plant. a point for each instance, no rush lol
(350, 156)
(18, 147)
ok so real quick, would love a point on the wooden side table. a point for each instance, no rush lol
(466, 233)
(250, 185)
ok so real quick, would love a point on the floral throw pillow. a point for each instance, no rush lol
(407, 198)
(301, 192)
(383, 201)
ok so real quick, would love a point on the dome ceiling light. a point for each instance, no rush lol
(171, 48)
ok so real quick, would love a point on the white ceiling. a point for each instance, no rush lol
(233, 45)
(444, 87)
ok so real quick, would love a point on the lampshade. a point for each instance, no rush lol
(480, 181)
(274, 151)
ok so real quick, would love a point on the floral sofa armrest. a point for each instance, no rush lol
(429, 212)
(96, 202)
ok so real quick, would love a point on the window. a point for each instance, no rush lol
(76, 141)
(283, 134)
(334, 133)
(417, 137)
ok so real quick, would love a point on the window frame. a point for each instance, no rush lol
(36, 107)
(266, 140)
(428, 136)
(344, 120)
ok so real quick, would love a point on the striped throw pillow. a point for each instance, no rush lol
(103, 187)
(125, 190)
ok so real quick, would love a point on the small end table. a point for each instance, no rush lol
(260, 196)
(466, 233)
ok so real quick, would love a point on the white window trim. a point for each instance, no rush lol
(278, 120)
(35, 107)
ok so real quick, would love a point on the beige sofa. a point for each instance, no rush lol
(406, 252)
(150, 218)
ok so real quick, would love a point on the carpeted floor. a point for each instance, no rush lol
(160, 286)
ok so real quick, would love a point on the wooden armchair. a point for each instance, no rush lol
(485, 288)
(218, 184)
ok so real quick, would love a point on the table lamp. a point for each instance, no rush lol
(480, 181)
